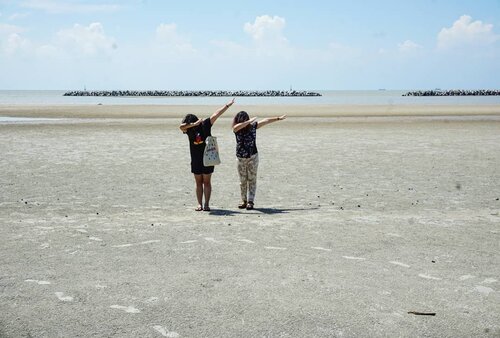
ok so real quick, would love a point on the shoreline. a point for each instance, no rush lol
(179, 111)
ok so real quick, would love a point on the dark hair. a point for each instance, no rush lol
(242, 116)
(190, 118)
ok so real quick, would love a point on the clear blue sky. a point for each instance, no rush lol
(153, 44)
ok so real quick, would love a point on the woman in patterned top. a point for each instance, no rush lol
(245, 130)
(197, 131)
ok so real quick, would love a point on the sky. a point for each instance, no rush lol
(254, 45)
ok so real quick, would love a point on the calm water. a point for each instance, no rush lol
(335, 97)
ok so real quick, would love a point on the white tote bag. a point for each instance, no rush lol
(211, 153)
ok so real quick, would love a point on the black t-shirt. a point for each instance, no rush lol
(197, 136)
(246, 144)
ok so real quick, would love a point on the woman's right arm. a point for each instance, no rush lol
(185, 126)
(239, 126)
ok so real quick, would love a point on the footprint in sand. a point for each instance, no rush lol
(63, 298)
(134, 244)
(320, 248)
(245, 241)
(400, 264)
(354, 258)
(489, 281)
(465, 277)
(161, 330)
(128, 309)
(421, 275)
(191, 241)
(483, 289)
(97, 239)
(39, 282)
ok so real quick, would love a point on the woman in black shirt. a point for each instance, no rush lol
(197, 131)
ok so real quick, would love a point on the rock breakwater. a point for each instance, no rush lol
(454, 92)
(113, 93)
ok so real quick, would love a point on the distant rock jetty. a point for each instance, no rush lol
(454, 92)
(177, 93)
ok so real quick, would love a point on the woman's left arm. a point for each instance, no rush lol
(220, 111)
(268, 120)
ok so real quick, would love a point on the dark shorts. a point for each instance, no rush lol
(198, 168)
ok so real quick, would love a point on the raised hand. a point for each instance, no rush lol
(282, 117)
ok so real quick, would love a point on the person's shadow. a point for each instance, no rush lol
(273, 211)
(223, 212)
(267, 211)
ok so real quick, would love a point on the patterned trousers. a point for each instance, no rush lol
(247, 168)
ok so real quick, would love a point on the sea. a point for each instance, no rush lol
(329, 97)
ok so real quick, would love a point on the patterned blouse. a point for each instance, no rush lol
(246, 145)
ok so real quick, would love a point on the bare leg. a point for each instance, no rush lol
(207, 190)
(199, 190)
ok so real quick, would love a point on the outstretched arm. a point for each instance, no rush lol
(268, 120)
(220, 111)
(241, 125)
(185, 126)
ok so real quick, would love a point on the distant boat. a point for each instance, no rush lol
(381, 89)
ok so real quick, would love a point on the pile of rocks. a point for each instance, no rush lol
(191, 93)
(454, 92)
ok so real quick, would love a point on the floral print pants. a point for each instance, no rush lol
(247, 168)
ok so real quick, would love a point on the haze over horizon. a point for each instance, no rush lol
(257, 45)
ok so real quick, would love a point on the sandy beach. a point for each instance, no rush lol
(296, 110)
(368, 219)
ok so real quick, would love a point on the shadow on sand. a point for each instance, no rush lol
(272, 211)
(223, 212)
(267, 211)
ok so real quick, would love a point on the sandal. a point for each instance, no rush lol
(206, 208)
(243, 205)
(199, 208)
(249, 205)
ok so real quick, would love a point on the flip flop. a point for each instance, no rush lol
(249, 205)
(206, 209)
(199, 209)
(242, 205)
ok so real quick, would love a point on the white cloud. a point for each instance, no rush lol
(409, 46)
(168, 37)
(267, 30)
(6, 29)
(59, 6)
(14, 43)
(48, 51)
(466, 32)
(11, 40)
(17, 16)
(89, 40)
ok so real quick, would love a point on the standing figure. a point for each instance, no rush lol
(197, 131)
(245, 130)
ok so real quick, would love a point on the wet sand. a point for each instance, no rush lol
(172, 111)
(358, 221)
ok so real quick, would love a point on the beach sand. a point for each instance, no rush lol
(358, 221)
(173, 111)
